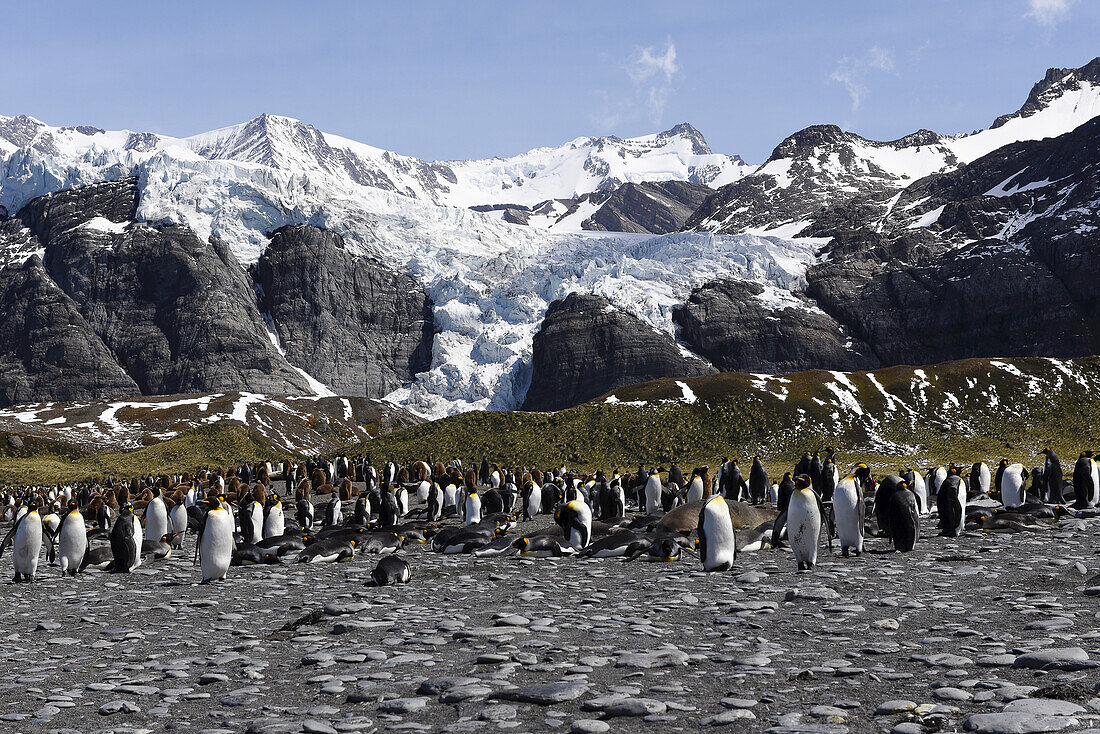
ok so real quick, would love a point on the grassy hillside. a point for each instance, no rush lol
(956, 411)
(43, 461)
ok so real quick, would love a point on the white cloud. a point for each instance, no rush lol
(852, 71)
(645, 93)
(646, 64)
(1048, 13)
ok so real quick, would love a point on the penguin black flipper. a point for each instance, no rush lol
(11, 533)
(198, 539)
(635, 550)
(829, 520)
(51, 548)
(777, 529)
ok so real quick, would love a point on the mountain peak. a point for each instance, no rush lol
(1053, 85)
(688, 131)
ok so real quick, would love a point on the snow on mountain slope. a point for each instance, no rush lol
(593, 164)
(822, 166)
(491, 281)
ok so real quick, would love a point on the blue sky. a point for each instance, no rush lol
(474, 79)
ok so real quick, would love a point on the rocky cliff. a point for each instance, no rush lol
(355, 325)
(100, 305)
(586, 347)
(727, 322)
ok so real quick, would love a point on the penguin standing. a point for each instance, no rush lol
(303, 513)
(897, 513)
(918, 487)
(26, 539)
(980, 478)
(717, 542)
(695, 489)
(937, 476)
(951, 503)
(471, 508)
(72, 541)
(653, 491)
(575, 519)
(274, 522)
(126, 538)
(156, 516)
(1014, 486)
(1083, 488)
(252, 520)
(215, 544)
(402, 496)
(1052, 478)
(782, 503)
(334, 514)
(178, 519)
(435, 500)
(849, 510)
(758, 481)
(804, 518)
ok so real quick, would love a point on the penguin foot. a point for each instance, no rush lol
(844, 552)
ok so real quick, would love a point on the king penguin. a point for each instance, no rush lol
(1014, 486)
(717, 542)
(274, 522)
(72, 541)
(850, 511)
(575, 519)
(126, 538)
(951, 503)
(215, 545)
(26, 539)
(653, 491)
(156, 517)
(804, 518)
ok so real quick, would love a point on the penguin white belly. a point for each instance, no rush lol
(534, 502)
(960, 498)
(178, 518)
(773, 494)
(257, 518)
(402, 496)
(721, 541)
(216, 546)
(139, 538)
(937, 479)
(695, 490)
(846, 506)
(72, 543)
(274, 522)
(28, 545)
(920, 489)
(156, 519)
(450, 496)
(422, 490)
(1012, 487)
(580, 537)
(653, 495)
(473, 509)
(1094, 494)
(983, 478)
(804, 527)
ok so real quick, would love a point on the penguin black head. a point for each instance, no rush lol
(802, 481)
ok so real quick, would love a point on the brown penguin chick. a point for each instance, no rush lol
(345, 489)
(303, 491)
(317, 478)
(471, 480)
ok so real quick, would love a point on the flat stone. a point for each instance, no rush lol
(546, 694)
(403, 705)
(1051, 658)
(655, 659)
(1016, 723)
(589, 726)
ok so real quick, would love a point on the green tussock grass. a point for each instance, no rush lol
(48, 462)
(971, 410)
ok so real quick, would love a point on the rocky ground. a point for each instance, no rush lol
(989, 632)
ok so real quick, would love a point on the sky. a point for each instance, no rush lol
(475, 79)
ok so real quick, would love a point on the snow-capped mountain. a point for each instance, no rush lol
(490, 280)
(568, 171)
(825, 166)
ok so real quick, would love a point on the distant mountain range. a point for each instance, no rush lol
(273, 257)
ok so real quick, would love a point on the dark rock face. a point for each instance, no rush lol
(998, 258)
(586, 347)
(355, 325)
(176, 312)
(725, 322)
(47, 349)
(651, 207)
